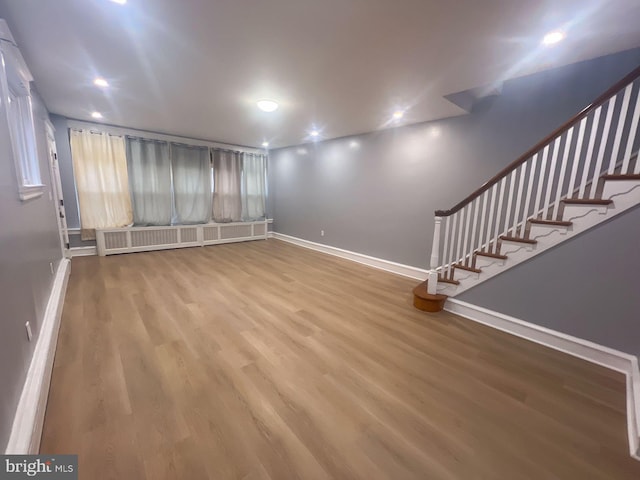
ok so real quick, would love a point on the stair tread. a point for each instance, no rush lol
(468, 269)
(491, 255)
(448, 280)
(587, 201)
(538, 221)
(509, 238)
(622, 176)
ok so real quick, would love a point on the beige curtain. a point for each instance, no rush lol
(227, 173)
(100, 169)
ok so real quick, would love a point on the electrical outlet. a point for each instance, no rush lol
(322, 233)
(51, 267)
(29, 332)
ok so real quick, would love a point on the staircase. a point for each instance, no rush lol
(583, 174)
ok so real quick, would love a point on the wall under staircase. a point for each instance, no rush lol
(587, 287)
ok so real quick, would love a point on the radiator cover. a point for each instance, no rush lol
(143, 239)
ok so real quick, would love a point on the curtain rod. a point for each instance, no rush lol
(147, 135)
(96, 132)
(212, 149)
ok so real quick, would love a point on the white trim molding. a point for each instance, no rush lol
(29, 417)
(589, 351)
(379, 263)
(29, 192)
(83, 251)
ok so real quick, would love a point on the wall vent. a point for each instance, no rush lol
(188, 235)
(115, 240)
(235, 231)
(153, 237)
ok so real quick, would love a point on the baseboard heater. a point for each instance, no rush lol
(143, 239)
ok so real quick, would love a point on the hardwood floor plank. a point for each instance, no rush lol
(263, 360)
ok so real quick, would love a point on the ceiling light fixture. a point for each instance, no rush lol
(100, 82)
(398, 114)
(554, 37)
(314, 133)
(96, 115)
(265, 144)
(120, 2)
(267, 105)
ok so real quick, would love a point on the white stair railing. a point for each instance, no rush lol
(567, 164)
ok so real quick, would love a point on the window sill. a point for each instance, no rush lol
(29, 192)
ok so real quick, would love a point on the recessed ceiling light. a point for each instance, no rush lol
(121, 2)
(96, 115)
(398, 114)
(554, 37)
(267, 105)
(314, 133)
(100, 82)
(265, 144)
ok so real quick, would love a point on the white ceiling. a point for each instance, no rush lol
(197, 67)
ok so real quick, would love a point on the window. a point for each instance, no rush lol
(15, 83)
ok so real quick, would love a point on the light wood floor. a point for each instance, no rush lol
(263, 360)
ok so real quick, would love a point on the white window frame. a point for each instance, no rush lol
(15, 80)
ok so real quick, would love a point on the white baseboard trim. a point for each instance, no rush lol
(379, 263)
(589, 351)
(82, 251)
(29, 419)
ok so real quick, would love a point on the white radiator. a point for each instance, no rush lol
(144, 239)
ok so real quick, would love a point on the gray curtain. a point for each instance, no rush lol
(150, 180)
(254, 169)
(227, 173)
(191, 184)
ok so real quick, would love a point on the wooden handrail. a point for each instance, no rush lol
(601, 100)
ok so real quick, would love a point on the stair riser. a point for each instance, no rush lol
(573, 212)
(459, 274)
(484, 262)
(617, 188)
(540, 231)
(509, 248)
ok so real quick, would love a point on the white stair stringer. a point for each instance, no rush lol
(625, 194)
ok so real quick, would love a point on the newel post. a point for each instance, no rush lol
(432, 284)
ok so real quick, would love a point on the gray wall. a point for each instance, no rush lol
(376, 193)
(586, 287)
(29, 242)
